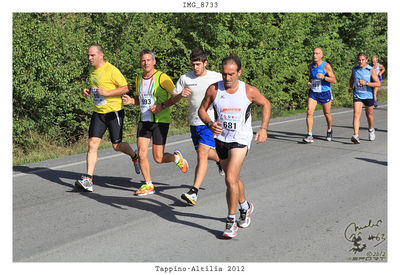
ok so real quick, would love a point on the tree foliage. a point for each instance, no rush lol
(50, 58)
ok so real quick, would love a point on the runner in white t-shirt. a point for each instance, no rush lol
(193, 86)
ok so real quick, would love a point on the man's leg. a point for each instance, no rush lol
(212, 155)
(235, 188)
(203, 154)
(125, 148)
(327, 112)
(86, 181)
(310, 114)
(357, 108)
(369, 112)
(160, 156)
(143, 148)
(376, 96)
(91, 157)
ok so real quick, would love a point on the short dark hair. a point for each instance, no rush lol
(362, 54)
(198, 55)
(232, 59)
(146, 51)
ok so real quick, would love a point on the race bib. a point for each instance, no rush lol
(146, 97)
(146, 100)
(361, 88)
(230, 122)
(316, 85)
(97, 98)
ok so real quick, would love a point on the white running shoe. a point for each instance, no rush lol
(190, 198)
(371, 135)
(355, 139)
(84, 183)
(244, 218)
(231, 228)
(308, 139)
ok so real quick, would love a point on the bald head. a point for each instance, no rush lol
(96, 56)
(317, 55)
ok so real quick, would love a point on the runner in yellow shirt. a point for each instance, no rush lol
(107, 86)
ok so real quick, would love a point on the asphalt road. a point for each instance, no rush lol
(320, 202)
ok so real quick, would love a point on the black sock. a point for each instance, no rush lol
(193, 190)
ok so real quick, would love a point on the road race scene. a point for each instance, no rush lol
(203, 141)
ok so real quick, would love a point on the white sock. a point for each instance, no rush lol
(244, 205)
(149, 183)
(232, 216)
(310, 133)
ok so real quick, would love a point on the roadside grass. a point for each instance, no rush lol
(45, 148)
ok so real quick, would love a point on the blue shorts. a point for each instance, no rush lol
(323, 97)
(201, 134)
(367, 102)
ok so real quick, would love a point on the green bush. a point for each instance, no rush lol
(50, 58)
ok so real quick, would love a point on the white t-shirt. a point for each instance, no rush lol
(198, 86)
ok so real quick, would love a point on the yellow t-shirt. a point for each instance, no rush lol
(109, 78)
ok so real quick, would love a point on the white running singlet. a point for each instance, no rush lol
(234, 113)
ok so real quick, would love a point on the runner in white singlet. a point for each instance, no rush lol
(232, 131)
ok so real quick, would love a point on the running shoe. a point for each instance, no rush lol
(371, 135)
(85, 183)
(308, 139)
(220, 170)
(135, 161)
(329, 135)
(190, 198)
(181, 162)
(244, 218)
(145, 189)
(355, 139)
(231, 228)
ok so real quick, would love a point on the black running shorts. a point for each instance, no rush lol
(113, 121)
(222, 148)
(157, 131)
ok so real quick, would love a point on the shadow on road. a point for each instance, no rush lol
(374, 161)
(57, 176)
(150, 203)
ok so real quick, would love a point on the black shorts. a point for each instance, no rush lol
(367, 102)
(157, 131)
(113, 121)
(222, 148)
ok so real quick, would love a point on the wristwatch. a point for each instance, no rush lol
(163, 106)
(208, 124)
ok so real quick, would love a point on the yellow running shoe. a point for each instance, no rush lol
(181, 162)
(145, 189)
